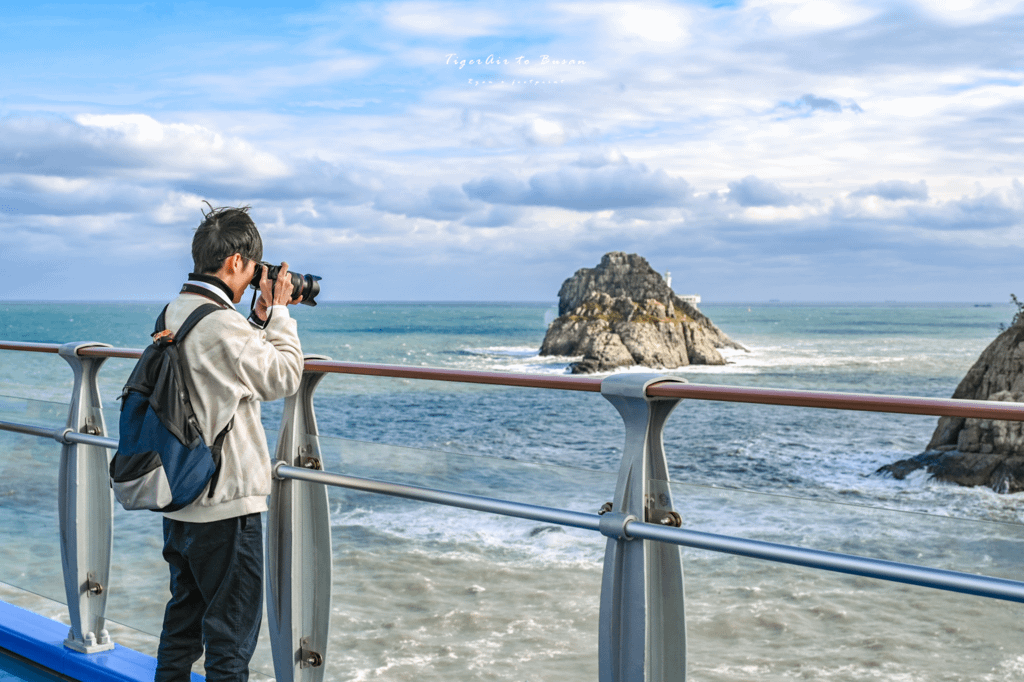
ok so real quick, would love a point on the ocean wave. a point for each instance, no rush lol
(503, 351)
(516, 359)
(759, 359)
(515, 540)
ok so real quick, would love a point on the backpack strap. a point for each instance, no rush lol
(190, 322)
(160, 324)
(218, 446)
(160, 331)
(193, 319)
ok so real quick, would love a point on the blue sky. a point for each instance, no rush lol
(789, 149)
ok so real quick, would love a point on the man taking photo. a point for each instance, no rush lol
(214, 546)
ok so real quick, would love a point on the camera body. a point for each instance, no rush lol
(308, 286)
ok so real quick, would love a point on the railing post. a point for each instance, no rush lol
(299, 546)
(85, 507)
(642, 631)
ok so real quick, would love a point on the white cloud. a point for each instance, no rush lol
(182, 147)
(658, 24)
(633, 27)
(800, 16)
(752, 191)
(442, 202)
(583, 188)
(455, 20)
(544, 132)
(968, 12)
(895, 190)
(783, 213)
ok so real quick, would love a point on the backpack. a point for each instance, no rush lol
(162, 462)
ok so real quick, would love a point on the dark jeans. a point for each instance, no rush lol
(216, 598)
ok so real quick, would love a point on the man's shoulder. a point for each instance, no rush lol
(224, 318)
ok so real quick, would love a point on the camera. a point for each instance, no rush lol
(308, 286)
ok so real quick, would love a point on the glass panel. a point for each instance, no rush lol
(52, 379)
(426, 592)
(751, 619)
(30, 560)
(30, 551)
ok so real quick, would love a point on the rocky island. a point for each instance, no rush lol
(623, 313)
(973, 452)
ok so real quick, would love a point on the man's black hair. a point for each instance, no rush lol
(224, 232)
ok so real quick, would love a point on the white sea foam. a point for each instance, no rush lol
(760, 358)
(516, 359)
(517, 540)
(738, 362)
(504, 351)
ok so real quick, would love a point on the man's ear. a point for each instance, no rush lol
(234, 263)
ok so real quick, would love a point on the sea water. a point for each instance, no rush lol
(424, 592)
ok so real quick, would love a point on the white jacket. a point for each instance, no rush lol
(232, 367)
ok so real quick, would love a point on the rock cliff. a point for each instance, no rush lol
(985, 452)
(622, 313)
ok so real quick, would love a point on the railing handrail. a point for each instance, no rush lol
(30, 346)
(831, 400)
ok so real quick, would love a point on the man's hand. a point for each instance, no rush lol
(275, 292)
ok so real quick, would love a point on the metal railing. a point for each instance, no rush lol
(642, 618)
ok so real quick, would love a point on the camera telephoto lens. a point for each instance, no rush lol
(308, 286)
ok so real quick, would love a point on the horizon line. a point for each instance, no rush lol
(454, 301)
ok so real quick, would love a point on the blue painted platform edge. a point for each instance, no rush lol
(41, 640)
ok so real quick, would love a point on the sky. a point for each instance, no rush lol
(800, 150)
